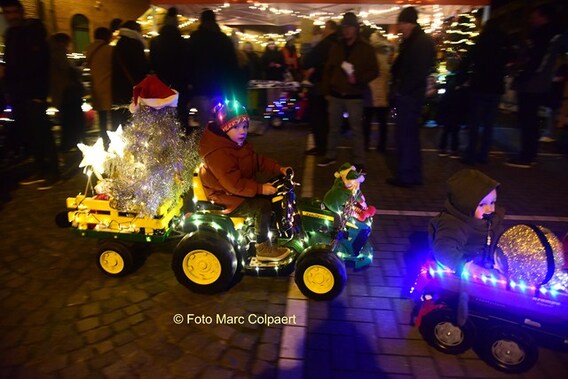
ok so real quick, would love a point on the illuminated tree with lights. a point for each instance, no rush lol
(460, 34)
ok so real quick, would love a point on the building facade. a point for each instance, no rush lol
(79, 18)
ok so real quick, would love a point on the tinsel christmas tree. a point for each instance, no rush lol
(150, 162)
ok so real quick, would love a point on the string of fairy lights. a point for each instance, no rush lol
(431, 22)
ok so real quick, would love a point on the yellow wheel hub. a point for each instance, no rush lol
(111, 262)
(201, 267)
(318, 279)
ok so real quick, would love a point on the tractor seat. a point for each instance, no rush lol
(201, 201)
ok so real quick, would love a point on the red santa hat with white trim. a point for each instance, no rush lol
(152, 92)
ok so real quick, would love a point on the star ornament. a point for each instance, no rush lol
(117, 142)
(94, 158)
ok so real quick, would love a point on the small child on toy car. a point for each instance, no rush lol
(230, 170)
(464, 232)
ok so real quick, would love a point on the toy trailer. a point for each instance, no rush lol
(118, 231)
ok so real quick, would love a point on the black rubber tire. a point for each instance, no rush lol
(210, 253)
(114, 258)
(323, 260)
(509, 349)
(439, 328)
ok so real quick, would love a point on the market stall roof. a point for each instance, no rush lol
(290, 12)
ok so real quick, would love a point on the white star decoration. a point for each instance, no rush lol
(93, 157)
(117, 142)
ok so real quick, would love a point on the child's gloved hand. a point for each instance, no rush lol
(268, 189)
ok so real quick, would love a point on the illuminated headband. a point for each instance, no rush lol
(234, 122)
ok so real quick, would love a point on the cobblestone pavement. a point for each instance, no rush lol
(61, 317)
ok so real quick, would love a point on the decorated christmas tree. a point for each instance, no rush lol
(150, 161)
(460, 34)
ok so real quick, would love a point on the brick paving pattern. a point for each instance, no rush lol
(61, 317)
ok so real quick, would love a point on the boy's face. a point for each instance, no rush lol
(486, 206)
(238, 134)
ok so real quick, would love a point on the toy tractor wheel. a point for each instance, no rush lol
(509, 349)
(439, 328)
(320, 274)
(204, 262)
(115, 259)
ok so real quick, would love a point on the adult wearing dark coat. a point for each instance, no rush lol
(169, 59)
(409, 73)
(254, 65)
(485, 67)
(537, 68)
(27, 81)
(273, 62)
(129, 67)
(214, 66)
(314, 62)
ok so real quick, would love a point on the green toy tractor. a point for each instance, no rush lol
(217, 248)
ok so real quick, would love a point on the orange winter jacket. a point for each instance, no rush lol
(230, 170)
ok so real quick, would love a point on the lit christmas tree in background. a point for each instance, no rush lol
(460, 35)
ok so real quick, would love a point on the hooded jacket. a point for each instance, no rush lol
(229, 173)
(456, 236)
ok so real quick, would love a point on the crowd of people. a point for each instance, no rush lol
(348, 72)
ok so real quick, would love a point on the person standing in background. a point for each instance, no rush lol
(169, 59)
(214, 67)
(485, 67)
(66, 92)
(350, 67)
(290, 54)
(253, 72)
(273, 62)
(129, 67)
(99, 59)
(27, 82)
(274, 67)
(536, 71)
(377, 98)
(314, 63)
(409, 72)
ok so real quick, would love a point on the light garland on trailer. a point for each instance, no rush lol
(519, 286)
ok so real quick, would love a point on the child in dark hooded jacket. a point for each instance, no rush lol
(468, 226)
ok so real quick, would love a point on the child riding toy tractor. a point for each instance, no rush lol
(217, 247)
